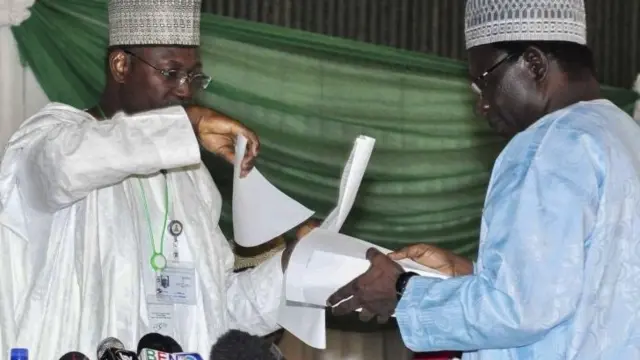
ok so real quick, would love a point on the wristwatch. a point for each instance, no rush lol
(402, 282)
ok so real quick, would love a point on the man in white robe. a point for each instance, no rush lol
(109, 220)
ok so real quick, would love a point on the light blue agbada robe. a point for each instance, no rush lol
(558, 272)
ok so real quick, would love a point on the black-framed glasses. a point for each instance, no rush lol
(480, 82)
(178, 78)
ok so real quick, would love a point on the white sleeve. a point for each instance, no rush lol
(253, 297)
(72, 158)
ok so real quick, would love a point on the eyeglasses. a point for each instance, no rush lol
(480, 82)
(178, 78)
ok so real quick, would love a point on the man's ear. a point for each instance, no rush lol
(537, 62)
(119, 65)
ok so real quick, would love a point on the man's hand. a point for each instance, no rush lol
(301, 232)
(374, 291)
(438, 259)
(217, 133)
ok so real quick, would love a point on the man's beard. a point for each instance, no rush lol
(501, 127)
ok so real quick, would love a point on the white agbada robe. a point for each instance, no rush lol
(75, 244)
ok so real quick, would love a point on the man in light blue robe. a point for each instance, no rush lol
(558, 271)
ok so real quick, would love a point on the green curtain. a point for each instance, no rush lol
(308, 96)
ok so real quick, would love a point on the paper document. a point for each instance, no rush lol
(307, 321)
(351, 179)
(261, 212)
(329, 261)
(350, 182)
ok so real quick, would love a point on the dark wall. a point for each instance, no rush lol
(436, 26)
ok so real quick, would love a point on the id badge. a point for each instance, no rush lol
(176, 285)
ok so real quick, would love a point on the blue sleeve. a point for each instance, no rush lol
(538, 215)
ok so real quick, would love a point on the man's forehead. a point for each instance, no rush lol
(187, 56)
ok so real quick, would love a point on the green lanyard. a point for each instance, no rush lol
(158, 261)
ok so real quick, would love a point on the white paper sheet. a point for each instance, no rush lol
(306, 321)
(330, 260)
(350, 183)
(261, 212)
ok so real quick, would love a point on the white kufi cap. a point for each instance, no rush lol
(154, 22)
(491, 21)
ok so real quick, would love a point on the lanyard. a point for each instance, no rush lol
(158, 261)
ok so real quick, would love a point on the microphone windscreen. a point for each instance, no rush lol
(239, 345)
(108, 344)
(74, 355)
(158, 342)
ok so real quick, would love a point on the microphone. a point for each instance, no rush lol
(239, 345)
(74, 355)
(155, 341)
(113, 349)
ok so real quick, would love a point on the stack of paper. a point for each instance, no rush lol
(307, 320)
(324, 260)
(327, 260)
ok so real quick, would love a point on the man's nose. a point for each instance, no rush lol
(184, 92)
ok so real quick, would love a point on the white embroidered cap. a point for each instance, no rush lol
(154, 22)
(491, 21)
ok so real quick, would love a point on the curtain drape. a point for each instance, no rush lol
(20, 94)
(308, 96)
